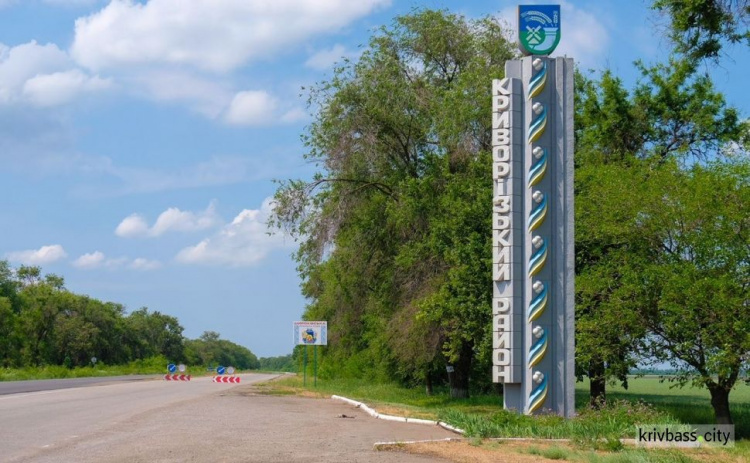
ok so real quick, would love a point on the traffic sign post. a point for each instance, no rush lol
(229, 378)
(313, 333)
(171, 376)
(315, 366)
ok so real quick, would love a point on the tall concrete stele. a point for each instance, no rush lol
(532, 223)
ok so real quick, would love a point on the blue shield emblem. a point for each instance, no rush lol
(538, 28)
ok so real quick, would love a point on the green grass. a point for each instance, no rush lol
(625, 456)
(589, 427)
(552, 453)
(687, 404)
(640, 456)
(387, 395)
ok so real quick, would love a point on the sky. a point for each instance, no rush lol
(140, 140)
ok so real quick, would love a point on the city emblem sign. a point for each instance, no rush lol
(538, 28)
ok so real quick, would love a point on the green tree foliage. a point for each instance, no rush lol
(636, 155)
(153, 333)
(394, 246)
(281, 363)
(209, 349)
(42, 323)
(672, 114)
(697, 291)
(699, 27)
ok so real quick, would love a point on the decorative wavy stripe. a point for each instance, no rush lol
(536, 354)
(536, 129)
(538, 305)
(538, 259)
(538, 81)
(536, 399)
(538, 214)
(538, 169)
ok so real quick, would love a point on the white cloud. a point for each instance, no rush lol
(131, 226)
(41, 256)
(294, 115)
(89, 261)
(97, 259)
(144, 264)
(22, 62)
(325, 59)
(584, 36)
(173, 219)
(251, 108)
(185, 221)
(206, 34)
(207, 96)
(244, 242)
(43, 75)
(61, 87)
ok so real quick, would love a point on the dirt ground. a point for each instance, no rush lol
(464, 452)
(494, 451)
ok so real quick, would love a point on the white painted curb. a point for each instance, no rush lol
(400, 419)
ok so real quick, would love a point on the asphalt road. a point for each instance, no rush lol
(15, 387)
(161, 421)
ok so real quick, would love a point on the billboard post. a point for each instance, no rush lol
(310, 333)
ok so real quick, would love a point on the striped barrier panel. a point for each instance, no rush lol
(226, 379)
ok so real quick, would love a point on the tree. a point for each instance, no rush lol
(209, 349)
(153, 333)
(394, 251)
(621, 137)
(697, 292)
(699, 27)
(9, 307)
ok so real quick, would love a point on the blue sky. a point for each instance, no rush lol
(139, 139)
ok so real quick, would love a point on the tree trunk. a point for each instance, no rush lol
(428, 382)
(459, 379)
(598, 387)
(720, 402)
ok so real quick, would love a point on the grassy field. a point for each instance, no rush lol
(594, 434)
(688, 404)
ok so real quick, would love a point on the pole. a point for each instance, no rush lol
(315, 366)
(304, 369)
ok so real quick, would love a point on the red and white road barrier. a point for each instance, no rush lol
(226, 379)
(177, 377)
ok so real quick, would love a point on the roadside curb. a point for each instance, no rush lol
(400, 419)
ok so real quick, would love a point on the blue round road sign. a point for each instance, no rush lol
(220, 370)
(171, 367)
